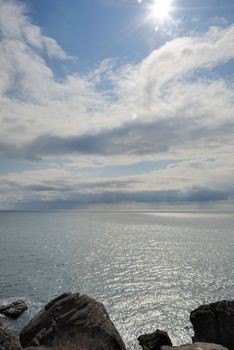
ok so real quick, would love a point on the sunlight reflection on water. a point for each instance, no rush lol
(149, 269)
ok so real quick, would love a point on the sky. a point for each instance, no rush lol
(116, 102)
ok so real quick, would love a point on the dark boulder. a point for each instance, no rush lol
(8, 340)
(72, 319)
(154, 341)
(214, 323)
(14, 309)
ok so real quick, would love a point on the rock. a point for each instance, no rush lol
(214, 323)
(75, 319)
(195, 346)
(8, 340)
(13, 310)
(37, 348)
(154, 341)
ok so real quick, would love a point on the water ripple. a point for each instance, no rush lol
(150, 271)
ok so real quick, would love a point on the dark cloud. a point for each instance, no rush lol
(64, 186)
(80, 200)
(133, 138)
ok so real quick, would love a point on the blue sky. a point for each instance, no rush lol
(93, 30)
(116, 101)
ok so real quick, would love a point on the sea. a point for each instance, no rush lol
(149, 268)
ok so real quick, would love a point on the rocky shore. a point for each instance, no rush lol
(78, 322)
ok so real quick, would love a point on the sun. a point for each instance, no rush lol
(161, 9)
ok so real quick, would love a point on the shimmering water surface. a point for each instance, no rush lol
(150, 269)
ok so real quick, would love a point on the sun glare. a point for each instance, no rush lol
(161, 9)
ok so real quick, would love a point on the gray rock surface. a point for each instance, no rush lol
(8, 340)
(75, 319)
(195, 346)
(14, 309)
(154, 341)
(214, 323)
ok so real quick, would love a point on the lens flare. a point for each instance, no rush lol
(161, 9)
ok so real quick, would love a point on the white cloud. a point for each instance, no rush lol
(24, 72)
(186, 181)
(16, 27)
(174, 61)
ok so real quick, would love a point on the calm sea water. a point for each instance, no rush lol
(149, 269)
